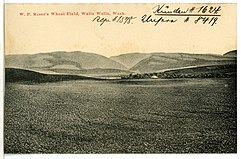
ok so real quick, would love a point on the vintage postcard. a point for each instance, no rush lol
(120, 78)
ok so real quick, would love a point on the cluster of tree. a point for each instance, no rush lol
(178, 75)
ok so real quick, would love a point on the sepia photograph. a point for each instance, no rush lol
(120, 78)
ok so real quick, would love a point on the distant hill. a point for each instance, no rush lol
(131, 59)
(90, 64)
(21, 75)
(232, 53)
(228, 70)
(162, 61)
(212, 71)
(64, 62)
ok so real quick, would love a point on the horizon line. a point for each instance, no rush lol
(121, 53)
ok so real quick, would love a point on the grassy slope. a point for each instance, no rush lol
(73, 61)
(89, 63)
(20, 75)
(96, 65)
(213, 69)
(131, 59)
(161, 61)
(232, 53)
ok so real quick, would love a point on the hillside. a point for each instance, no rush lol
(212, 71)
(162, 61)
(64, 62)
(21, 75)
(229, 70)
(232, 53)
(131, 59)
(89, 64)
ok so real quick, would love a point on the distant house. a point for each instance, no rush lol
(154, 77)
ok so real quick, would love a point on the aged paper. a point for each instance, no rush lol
(120, 78)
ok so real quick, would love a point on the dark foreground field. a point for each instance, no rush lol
(134, 116)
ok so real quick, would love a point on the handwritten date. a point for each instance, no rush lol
(123, 19)
(117, 19)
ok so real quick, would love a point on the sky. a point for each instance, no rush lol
(39, 34)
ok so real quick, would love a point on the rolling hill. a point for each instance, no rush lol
(21, 75)
(162, 61)
(151, 62)
(64, 62)
(131, 59)
(89, 64)
(232, 53)
(228, 70)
